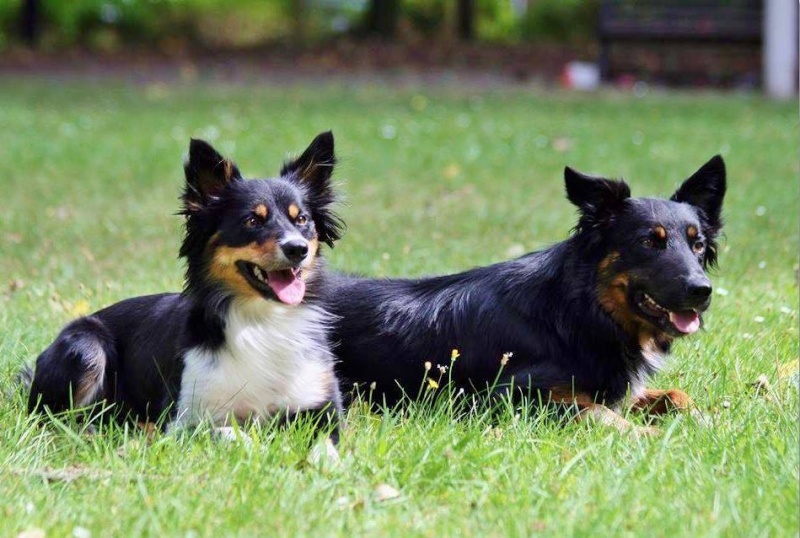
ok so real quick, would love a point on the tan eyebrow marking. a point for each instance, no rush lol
(660, 232)
(261, 211)
(691, 232)
(294, 211)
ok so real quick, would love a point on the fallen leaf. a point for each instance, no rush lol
(15, 284)
(562, 144)
(790, 373)
(385, 492)
(32, 533)
(761, 383)
(78, 309)
(451, 171)
(81, 532)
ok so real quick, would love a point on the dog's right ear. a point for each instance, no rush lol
(313, 171)
(597, 198)
(207, 173)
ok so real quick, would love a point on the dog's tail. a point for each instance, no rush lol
(24, 378)
(75, 370)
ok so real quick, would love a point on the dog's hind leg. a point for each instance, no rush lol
(75, 370)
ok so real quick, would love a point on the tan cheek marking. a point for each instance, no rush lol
(261, 211)
(607, 262)
(293, 211)
(223, 268)
(660, 232)
(691, 232)
(612, 293)
(308, 270)
(613, 297)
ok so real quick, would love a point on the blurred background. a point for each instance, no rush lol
(743, 44)
(454, 120)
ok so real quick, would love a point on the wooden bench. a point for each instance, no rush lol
(685, 21)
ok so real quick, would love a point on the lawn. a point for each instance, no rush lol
(435, 181)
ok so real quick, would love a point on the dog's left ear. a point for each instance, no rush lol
(207, 174)
(313, 171)
(706, 190)
(597, 198)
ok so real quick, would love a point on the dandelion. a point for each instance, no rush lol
(427, 366)
(506, 357)
(759, 319)
(432, 384)
(442, 369)
(372, 386)
(786, 310)
(722, 291)
(454, 355)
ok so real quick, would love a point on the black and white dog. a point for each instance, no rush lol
(584, 322)
(247, 338)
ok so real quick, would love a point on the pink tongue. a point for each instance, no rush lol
(685, 322)
(287, 286)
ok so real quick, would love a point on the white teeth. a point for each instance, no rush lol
(652, 304)
(260, 274)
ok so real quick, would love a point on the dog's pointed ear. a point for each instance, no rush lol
(314, 167)
(597, 198)
(207, 173)
(705, 189)
(313, 171)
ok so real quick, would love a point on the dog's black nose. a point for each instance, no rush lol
(295, 250)
(699, 290)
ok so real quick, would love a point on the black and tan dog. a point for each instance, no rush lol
(248, 336)
(586, 321)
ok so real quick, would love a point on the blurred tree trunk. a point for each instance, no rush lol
(465, 19)
(381, 18)
(30, 22)
(299, 20)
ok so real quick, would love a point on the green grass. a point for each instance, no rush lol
(435, 181)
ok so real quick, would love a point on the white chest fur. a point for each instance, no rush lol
(275, 358)
(653, 360)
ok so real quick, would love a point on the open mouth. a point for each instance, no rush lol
(679, 322)
(285, 284)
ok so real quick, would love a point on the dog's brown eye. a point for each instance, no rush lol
(647, 242)
(698, 246)
(301, 220)
(251, 222)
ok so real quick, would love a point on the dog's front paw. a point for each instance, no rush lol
(231, 435)
(324, 453)
(641, 432)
